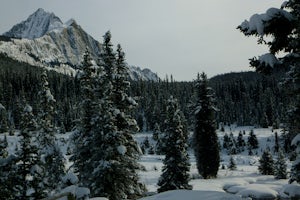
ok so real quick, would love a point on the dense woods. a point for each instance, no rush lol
(245, 98)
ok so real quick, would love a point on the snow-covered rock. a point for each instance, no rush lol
(142, 74)
(290, 191)
(257, 191)
(35, 26)
(192, 195)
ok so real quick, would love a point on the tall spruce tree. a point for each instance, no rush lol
(176, 163)
(266, 163)
(28, 163)
(3, 119)
(205, 139)
(51, 155)
(115, 152)
(86, 126)
(276, 145)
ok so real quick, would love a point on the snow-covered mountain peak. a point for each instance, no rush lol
(43, 40)
(36, 25)
(70, 22)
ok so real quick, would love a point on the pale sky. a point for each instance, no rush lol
(178, 37)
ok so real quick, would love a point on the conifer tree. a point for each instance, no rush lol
(3, 146)
(51, 155)
(108, 57)
(18, 112)
(232, 164)
(156, 132)
(8, 177)
(161, 144)
(226, 141)
(115, 152)
(92, 144)
(85, 127)
(240, 142)
(28, 160)
(3, 119)
(205, 139)
(176, 163)
(7, 171)
(232, 145)
(295, 170)
(280, 169)
(146, 143)
(276, 146)
(252, 141)
(46, 112)
(158, 136)
(266, 163)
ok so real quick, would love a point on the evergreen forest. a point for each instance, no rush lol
(244, 98)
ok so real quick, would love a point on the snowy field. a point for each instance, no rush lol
(241, 183)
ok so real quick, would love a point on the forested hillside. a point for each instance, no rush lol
(245, 98)
(21, 82)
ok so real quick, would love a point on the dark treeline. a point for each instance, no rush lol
(250, 98)
(21, 82)
(244, 98)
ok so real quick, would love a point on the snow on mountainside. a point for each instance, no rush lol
(37, 25)
(43, 40)
(142, 74)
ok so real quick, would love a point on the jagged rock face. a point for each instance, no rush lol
(43, 40)
(60, 49)
(136, 73)
(36, 25)
(72, 42)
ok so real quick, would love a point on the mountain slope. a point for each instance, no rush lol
(43, 40)
(36, 25)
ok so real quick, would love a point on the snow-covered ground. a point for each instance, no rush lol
(243, 182)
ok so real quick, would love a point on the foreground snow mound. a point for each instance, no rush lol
(256, 191)
(192, 195)
(78, 192)
(290, 191)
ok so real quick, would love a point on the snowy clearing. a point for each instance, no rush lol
(243, 182)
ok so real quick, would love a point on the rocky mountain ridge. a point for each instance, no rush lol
(44, 40)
